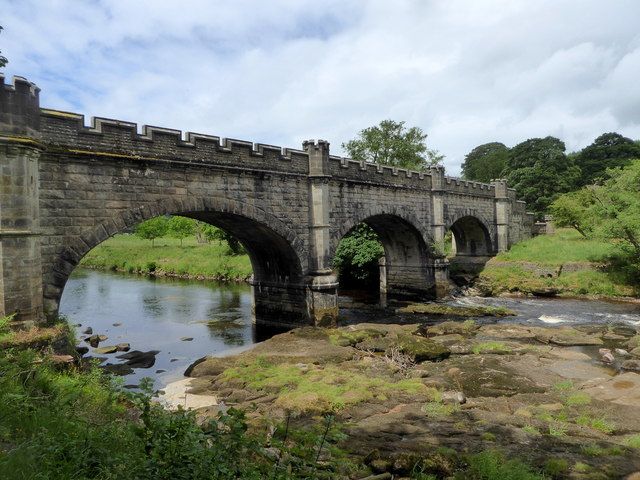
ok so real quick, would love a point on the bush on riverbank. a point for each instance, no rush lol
(563, 263)
(127, 253)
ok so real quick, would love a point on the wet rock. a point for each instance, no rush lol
(545, 292)
(123, 347)
(606, 356)
(622, 352)
(186, 339)
(635, 352)
(117, 324)
(631, 365)
(105, 350)
(623, 389)
(422, 349)
(88, 331)
(160, 371)
(94, 340)
(138, 359)
(455, 398)
(81, 350)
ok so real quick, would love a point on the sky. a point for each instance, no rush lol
(466, 72)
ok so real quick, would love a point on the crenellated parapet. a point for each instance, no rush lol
(68, 132)
(466, 187)
(19, 108)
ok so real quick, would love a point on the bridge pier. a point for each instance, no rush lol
(20, 256)
(314, 302)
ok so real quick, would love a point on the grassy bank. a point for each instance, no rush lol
(128, 253)
(563, 263)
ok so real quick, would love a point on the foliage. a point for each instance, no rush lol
(357, 255)
(128, 253)
(540, 171)
(153, 228)
(3, 60)
(61, 425)
(391, 143)
(207, 233)
(485, 162)
(609, 212)
(568, 210)
(492, 465)
(180, 227)
(609, 150)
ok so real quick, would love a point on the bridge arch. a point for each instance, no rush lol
(473, 242)
(278, 256)
(408, 250)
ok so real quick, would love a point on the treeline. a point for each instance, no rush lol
(540, 169)
(182, 227)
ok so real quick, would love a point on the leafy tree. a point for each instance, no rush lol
(180, 227)
(391, 143)
(151, 229)
(608, 211)
(609, 150)
(357, 255)
(485, 162)
(3, 60)
(206, 232)
(571, 210)
(540, 172)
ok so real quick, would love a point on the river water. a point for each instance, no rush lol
(185, 320)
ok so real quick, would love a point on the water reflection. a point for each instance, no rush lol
(161, 314)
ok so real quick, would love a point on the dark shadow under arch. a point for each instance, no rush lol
(278, 256)
(407, 268)
(472, 247)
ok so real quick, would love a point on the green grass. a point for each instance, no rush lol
(566, 245)
(491, 347)
(131, 254)
(493, 465)
(633, 441)
(510, 272)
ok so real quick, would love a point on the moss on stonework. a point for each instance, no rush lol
(451, 310)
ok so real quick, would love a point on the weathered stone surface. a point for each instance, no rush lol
(107, 349)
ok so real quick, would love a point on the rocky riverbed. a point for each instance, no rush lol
(564, 399)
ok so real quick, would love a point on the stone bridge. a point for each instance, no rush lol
(66, 187)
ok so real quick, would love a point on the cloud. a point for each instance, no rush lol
(282, 71)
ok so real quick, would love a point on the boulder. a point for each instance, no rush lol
(105, 350)
(123, 347)
(422, 349)
(631, 365)
(138, 359)
(88, 331)
(81, 350)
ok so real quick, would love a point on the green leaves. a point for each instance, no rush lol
(357, 254)
(390, 143)
(485, 162)
(609, 150)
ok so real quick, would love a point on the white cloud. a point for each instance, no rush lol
(286, 70)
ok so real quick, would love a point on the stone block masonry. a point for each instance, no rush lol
(67, 186)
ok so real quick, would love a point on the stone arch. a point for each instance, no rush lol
(408, 249)
(472, 234)
(278, 255)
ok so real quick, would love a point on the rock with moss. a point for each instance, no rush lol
(422, 349)
(455, 310)
(466, 328)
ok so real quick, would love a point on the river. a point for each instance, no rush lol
(184, 320)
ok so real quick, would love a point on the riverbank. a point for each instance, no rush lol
(169, 258)
(563, 264)
(430, 399)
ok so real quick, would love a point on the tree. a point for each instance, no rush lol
(3, 60)
(540, 172)
(485, 162)
(610, 211)
(391, 143)
(357, 255)
(571, 210)
(152, 229)
(609, 150)
(180, 227)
